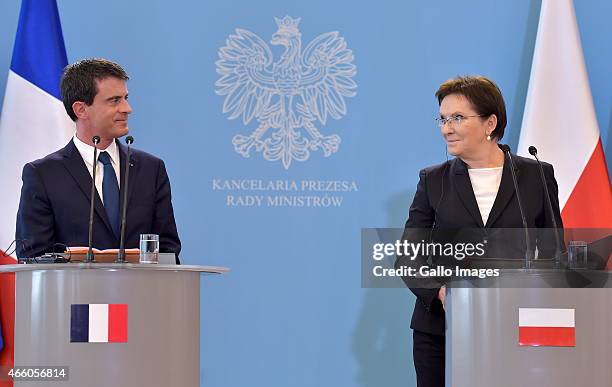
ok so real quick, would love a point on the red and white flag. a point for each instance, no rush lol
(560, 120)
(547, 327)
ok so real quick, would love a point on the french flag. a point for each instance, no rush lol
(33, 122)
(560, 120)
(547, 327)
(98, 323)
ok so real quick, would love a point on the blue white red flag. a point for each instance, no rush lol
(33, 122)
(99, 323)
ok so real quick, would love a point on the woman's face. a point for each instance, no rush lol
(466, 138)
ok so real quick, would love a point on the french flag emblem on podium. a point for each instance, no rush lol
(98, 323)
(547, 327)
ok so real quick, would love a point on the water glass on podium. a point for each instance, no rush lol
(577, 255)
(149, 248)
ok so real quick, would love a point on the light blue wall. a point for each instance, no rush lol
(292, 312)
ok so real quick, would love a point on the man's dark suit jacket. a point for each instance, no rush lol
(54, 205)
(444, 197)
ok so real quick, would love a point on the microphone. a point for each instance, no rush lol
(121, 255)
(528, 252)
(534, 152)
(90, 256)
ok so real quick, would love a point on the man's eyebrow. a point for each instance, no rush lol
(116, 97)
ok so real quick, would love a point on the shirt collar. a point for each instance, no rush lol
(87, 151)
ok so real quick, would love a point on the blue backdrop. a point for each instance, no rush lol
(291, 312)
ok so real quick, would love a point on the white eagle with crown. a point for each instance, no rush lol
(288, 96)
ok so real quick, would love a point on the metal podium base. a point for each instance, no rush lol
(163, 346)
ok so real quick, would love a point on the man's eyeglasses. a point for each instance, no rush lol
(453, 120)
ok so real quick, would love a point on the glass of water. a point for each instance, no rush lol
(149, 248)
(577, 255)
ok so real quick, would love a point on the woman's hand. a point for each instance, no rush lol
(442, 296)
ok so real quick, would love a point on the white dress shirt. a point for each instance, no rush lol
(87, 153)
(485, 184)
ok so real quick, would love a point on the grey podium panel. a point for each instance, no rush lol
(482, 339)
(163, 323)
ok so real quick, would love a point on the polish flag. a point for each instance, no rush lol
(560, 120)
(98, 323)
(547, 327)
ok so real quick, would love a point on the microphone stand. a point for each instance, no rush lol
(90, 255)
(121, 255)
(557, 258)
(528, 252)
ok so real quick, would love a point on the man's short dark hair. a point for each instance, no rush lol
(79, 81)
(482, 93)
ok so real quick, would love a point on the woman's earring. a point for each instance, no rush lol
(489, 137)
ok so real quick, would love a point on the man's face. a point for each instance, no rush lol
(108, 114)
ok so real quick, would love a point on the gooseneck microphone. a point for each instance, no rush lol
(90, 256)
(121, 255)
(534, 152)
(528, 252)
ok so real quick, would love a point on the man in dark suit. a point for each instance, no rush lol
(55, 197)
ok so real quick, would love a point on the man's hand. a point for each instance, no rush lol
(442, 296)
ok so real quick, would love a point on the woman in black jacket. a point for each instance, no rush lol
(474, 190)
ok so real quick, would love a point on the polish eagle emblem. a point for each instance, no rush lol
(288, 97)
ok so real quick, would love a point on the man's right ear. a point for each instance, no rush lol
(79, 109)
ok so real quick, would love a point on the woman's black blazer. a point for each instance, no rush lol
(444, 199)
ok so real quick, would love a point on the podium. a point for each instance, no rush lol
(162, 347)
(482, 339)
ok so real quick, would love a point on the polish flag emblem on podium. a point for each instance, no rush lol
(547, 327)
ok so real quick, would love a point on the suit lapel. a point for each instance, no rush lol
(463, 185)
(505, 191)
(75, 165)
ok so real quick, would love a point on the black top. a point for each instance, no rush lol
(444, 199)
